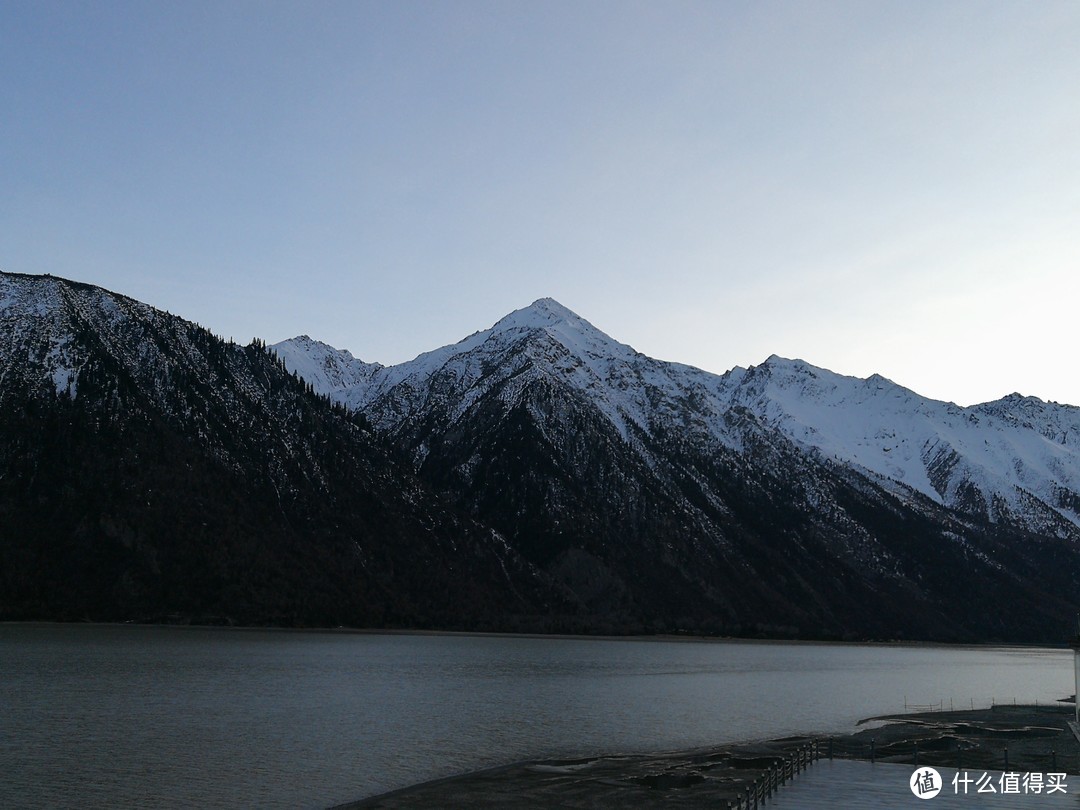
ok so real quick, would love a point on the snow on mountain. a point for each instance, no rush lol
(59, 334)
(36, 331)
(1058, 423)
(985, 458)
(328, 369)
(865, 422)
(45, 323)
(545, 339)
(1017, 459)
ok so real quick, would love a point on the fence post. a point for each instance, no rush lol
(872, 755)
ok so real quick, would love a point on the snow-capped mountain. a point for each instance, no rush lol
(564, 345)
(782, 492)
(326, 368)
(987, 459)
(1016, 460)
(538, 475)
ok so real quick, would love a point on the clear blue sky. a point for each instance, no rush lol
(888, 187)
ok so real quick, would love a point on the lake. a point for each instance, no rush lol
(115, 716)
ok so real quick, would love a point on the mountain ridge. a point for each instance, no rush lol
(755, 483)
(538, 475)
(792, 395)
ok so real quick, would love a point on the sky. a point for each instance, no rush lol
(872, 187)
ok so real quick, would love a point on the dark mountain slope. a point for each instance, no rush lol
(149, 469)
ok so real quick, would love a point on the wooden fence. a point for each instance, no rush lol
(770, 781)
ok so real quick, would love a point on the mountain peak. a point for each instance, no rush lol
(306, 341)
(325, 367)
(541, 313)
(548, 317)
(551, 305)
(774, 363)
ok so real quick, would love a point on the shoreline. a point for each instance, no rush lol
(1021, 738)
(653, 638)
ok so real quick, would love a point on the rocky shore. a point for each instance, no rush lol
(1018, 738)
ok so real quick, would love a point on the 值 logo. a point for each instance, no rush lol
(925, 783)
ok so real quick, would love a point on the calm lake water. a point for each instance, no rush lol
(99, 716)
